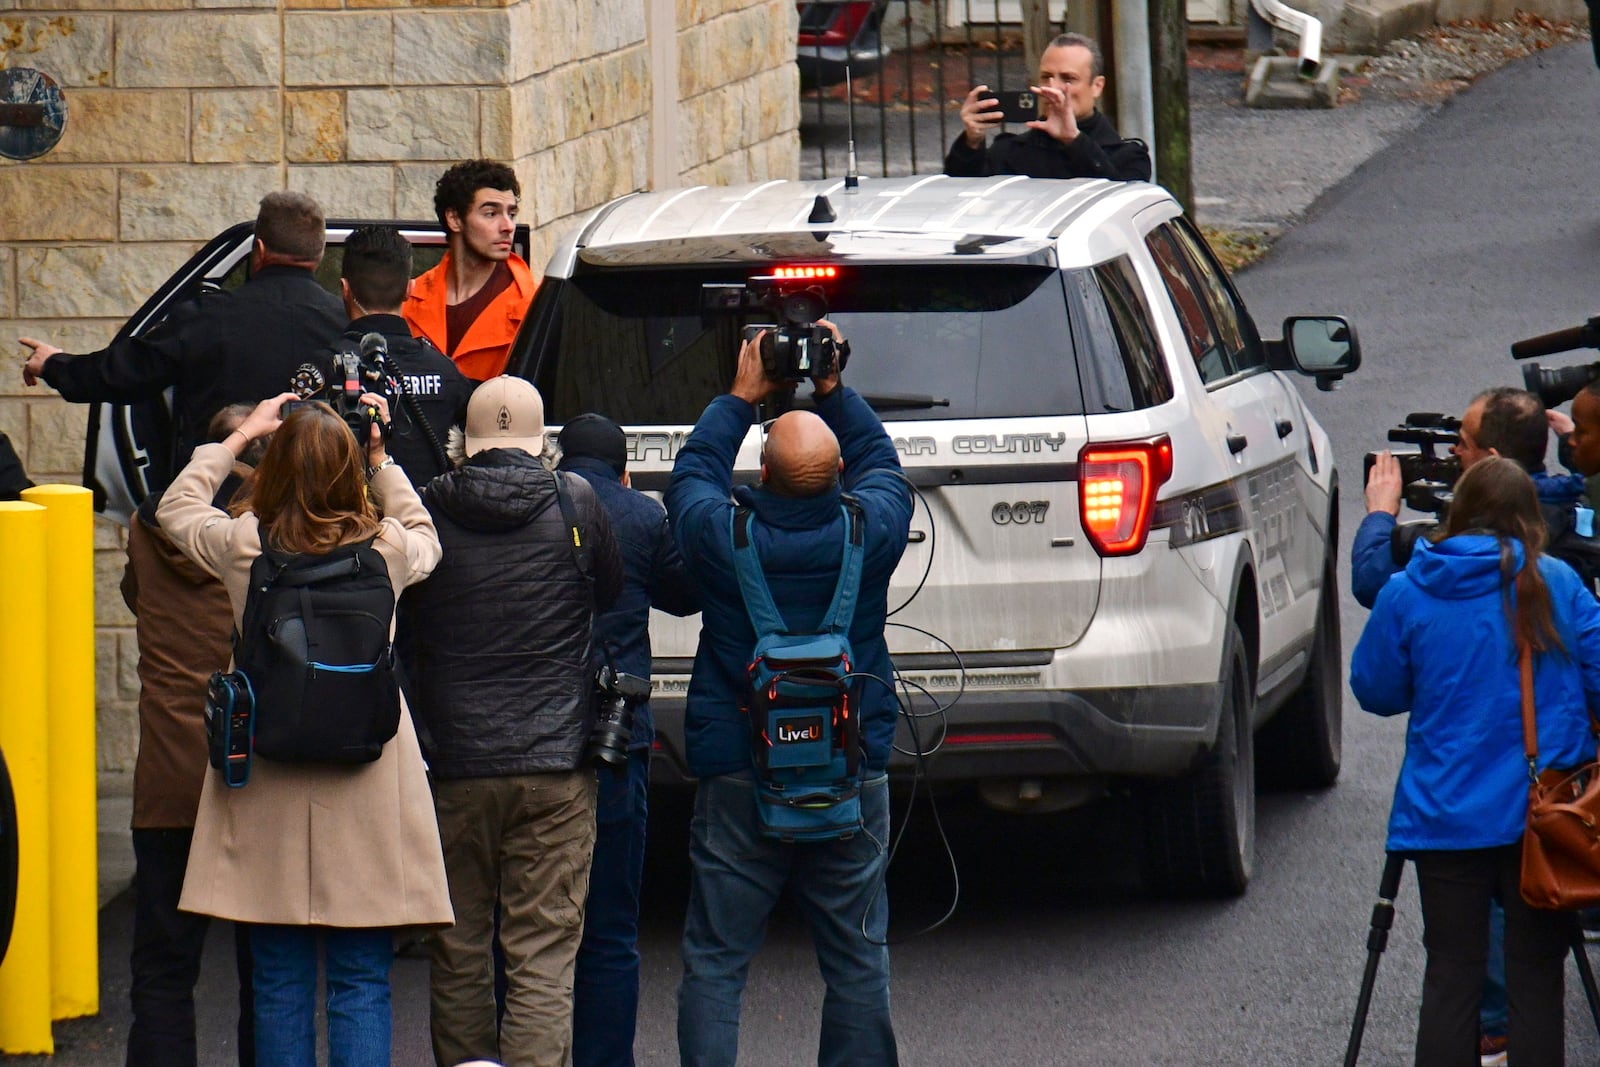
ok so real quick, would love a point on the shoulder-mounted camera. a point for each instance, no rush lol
(794, 347)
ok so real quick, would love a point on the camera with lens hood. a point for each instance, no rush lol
(795, 346)
(1556, 385)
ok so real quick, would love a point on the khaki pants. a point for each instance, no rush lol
(525, 841)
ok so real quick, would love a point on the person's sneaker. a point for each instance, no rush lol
(1492, 1050)
(1589, 919)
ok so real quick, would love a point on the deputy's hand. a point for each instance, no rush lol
(823, 386)
(1059, 120)
(376, 453)
(750, 381)
(1383, 485)
(979, 115)
(1559, 421)
(33, 366)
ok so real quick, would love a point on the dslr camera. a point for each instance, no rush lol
(615, 696)
(363, 371)
(1560, 384)
(1428, 477)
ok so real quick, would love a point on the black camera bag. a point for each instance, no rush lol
(315, 647)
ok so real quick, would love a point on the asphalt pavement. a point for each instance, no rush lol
(1445, 232)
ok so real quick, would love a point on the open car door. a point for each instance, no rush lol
(129, 447)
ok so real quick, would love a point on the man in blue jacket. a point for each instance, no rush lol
(738, 874)
(1499, 422)
(605, 991)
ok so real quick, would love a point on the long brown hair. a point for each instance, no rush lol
(1495, 496)
(310, 490)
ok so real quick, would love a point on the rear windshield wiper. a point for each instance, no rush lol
(904, 401)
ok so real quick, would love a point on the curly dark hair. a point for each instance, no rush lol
(458, 185)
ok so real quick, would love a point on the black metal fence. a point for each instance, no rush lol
(908, 70)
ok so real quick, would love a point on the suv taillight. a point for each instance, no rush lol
(1117, 485)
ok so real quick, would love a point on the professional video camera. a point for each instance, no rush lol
(364, 371)
(1428, 477)
(794, 347)
(1557, 386)
(616, 695)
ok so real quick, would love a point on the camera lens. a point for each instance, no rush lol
(613, 730)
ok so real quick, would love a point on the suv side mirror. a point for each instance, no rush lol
(1322, 346)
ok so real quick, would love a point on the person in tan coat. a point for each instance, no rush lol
(314, 855)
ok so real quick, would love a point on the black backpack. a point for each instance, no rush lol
(1565, 543)
(315, 648)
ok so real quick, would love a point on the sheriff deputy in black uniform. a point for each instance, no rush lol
(374, 280)
(219, 348)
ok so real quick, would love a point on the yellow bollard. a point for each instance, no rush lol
(69, 661)
(25, 973)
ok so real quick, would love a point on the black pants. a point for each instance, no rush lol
(1456, 888)
(166, 958)
(1594, 37)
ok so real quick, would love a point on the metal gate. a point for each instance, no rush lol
(888, 77)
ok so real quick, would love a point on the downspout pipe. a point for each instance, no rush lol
(1302, 25)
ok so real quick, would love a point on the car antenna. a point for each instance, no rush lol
(852, 178)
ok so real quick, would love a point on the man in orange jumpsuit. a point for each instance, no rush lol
(471, 304)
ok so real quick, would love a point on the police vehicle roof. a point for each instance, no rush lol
(931, 217)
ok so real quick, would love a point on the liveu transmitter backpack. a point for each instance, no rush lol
(314, 646)
(805, 737)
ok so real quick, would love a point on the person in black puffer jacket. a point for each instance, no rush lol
(500, 666)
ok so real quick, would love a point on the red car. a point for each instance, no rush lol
(839, 34)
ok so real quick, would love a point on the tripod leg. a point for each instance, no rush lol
(1377, 940)
(1580, 956)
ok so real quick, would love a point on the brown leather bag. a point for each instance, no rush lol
(1561, 846)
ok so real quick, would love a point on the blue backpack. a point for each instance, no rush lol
(805, 737)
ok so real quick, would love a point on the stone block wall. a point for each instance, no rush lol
(183, 113)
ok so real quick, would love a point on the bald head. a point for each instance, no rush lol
(801, 457)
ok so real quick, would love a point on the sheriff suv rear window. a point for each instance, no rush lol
(927, 342)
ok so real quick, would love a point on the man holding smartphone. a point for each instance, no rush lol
(1069, 139)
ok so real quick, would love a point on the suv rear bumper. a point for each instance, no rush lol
(1145, 731)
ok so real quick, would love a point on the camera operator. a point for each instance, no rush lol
(605, 994)
(1498, 422)
(501, 671)
(373, 282)
(739, 872)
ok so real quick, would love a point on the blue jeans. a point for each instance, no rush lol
(736, 879)
(1494, 1013)
(359, 1022)
(605, 992)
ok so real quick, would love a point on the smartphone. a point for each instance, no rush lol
(1015, 106)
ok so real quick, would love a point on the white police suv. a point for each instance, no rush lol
(1122, 560)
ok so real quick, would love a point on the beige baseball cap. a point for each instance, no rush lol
(505, 412)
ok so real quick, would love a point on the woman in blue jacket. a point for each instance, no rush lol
(1442, 644)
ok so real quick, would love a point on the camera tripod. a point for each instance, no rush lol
(1378, 940)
